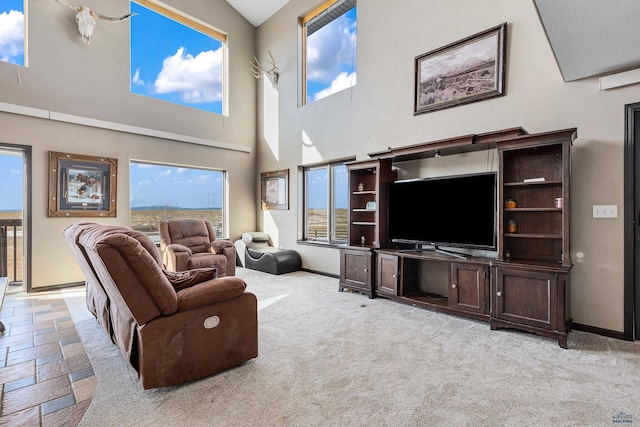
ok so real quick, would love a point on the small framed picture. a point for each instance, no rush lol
(371, 206)
(275, 189)
(81, 186)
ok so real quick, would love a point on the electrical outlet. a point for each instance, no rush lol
(605, 211)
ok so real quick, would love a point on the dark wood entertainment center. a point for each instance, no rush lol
(525, 286)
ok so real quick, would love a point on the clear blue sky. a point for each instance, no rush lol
(12, 31)
(11, 180)
(183, 188)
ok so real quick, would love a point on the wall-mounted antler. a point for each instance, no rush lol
(86, 19)
(258, 71)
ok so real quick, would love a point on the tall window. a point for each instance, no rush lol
(162, 192)
(329, 49)
(176, 59)
(326, 203)
(12, 34)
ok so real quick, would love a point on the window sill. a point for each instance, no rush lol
(320, 244)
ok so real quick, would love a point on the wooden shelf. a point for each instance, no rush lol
(533, 236)
(363, 210)
(363, 223)
(533, 209)
(356, 193)
(530, 184)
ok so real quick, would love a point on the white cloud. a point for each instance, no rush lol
(196, 79)
(329, 48)
(15, 171)
(342, 82)
(11, 35)
(136, 78)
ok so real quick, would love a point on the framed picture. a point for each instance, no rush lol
(275, 189)
(469, 70)
(81, 185)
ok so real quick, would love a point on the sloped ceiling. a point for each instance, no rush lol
(592, 37)
(257, 11)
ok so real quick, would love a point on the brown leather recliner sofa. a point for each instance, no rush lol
(172, 327)
(191, 243)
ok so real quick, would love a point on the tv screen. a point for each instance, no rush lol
(455, 211)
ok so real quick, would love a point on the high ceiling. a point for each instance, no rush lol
(592, 37)
(257, 11)
(588, 37)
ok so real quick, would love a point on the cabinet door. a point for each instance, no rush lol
(468, 287)
(526, 297)
(355, 270)
(387, 274)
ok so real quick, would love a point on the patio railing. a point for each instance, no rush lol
(10, 256)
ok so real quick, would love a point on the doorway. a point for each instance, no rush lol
(15, 215)
(632, 222)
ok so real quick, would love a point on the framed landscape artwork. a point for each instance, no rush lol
(81, 186)
(275, 189)
(468, 70)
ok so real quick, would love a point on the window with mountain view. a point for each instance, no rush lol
(161, 192)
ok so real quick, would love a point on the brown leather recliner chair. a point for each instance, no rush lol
(191, 243)
(169, 336)
(97, 299)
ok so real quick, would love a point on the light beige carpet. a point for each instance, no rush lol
(330, 358)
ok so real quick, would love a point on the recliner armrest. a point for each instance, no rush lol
(211, 291)
(174, 247)
(219, 245)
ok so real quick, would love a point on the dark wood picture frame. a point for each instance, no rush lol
(275, 190)
(468, 70)
(81, 186)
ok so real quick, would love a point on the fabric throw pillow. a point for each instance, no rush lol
(184, 279)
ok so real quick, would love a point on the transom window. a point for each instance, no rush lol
(329, 49)
(176, 58)
(12, 32)
(163, 192)
(326, 203)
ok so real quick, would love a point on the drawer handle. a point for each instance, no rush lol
(499, 294)
(453, 285)
(366, 269)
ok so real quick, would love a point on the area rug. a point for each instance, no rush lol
(329, 358)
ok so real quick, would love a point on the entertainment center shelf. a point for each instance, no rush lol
(525, 286)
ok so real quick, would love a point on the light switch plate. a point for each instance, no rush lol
(605, 211)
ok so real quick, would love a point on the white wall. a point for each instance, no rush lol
(66, 76)
(378, 113)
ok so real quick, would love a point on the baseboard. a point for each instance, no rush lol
(335, 276)
(57, 287)
(598, 331)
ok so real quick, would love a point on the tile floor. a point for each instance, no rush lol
(46, 376)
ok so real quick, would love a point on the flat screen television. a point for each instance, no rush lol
(452, 211)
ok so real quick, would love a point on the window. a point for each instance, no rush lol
(162, 192)
(329, 49)
(12, 34)
(176, 59)
(326, 203)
